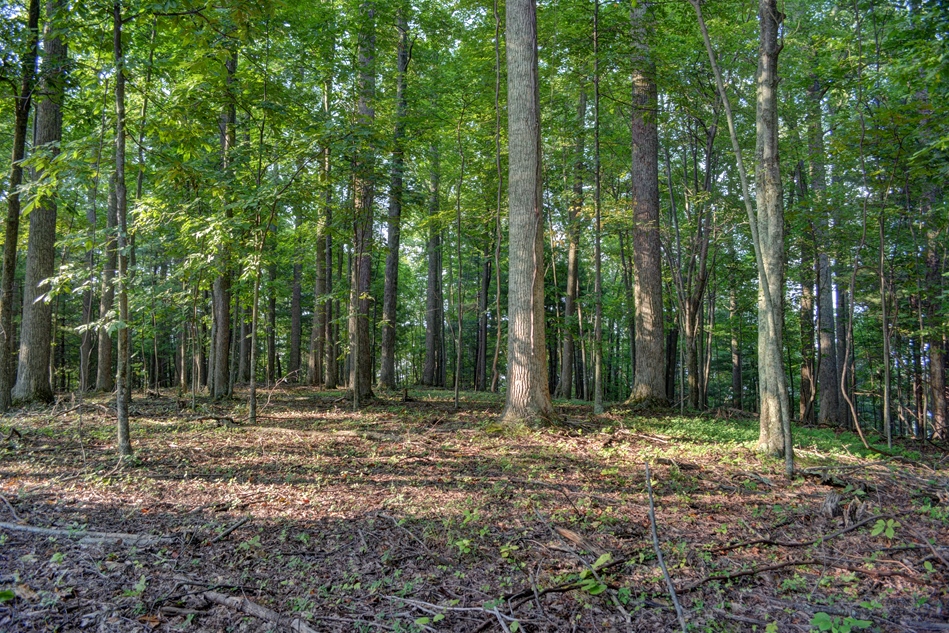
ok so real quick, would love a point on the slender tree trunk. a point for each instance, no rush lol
(734, 320)
(565, 384)
(433, 370)
(22, 103)
(499, 174)
(105, 376)
(296, 324)
(481, 352)
(33, 381)
(937, 342)
(221, 287)
(649, 383)
(390, 294)
(843, 363)
(808, 270)
(528, 392)
(272, 325)
(121, 207)
(360, 376)
(318, 330)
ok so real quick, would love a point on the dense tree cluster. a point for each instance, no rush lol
(697, 204)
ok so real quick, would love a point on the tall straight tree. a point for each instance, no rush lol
(828, 383)
(360, 375)
(121, 206)
(649, 381)
(32, 382)
(775, 406)
(565, 384)
(23, 99)
(434, 370)
(390, 293)
(528, 392)
(221, 286)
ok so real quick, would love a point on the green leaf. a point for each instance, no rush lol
(822, 621)
(7, 595)
(515, 626)
(602, 560)
(423, 621)
(878, 528)
(438, 617)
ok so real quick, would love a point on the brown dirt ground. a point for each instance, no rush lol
(411, 516)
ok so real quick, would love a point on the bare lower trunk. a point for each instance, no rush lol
(649, 383)
(734, 318)
(22, 104)
(433, 372)
(33, 380)
(528, 395)
(296, 325)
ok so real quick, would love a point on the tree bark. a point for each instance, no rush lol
(937, 341)
(296, 324)
(22, 102)
(121, 209)
(433, 372)
(33, 380)
(391, 291)
(649, 382)
(774, 412)
(221, 287)
(360, 377)
(565, 384)
(528, 394)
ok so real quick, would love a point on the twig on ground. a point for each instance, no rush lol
(137, 540)
(820, 539)
(16, 517)
(250, 608)
(223, 535)
(662, 564)
(921, 538)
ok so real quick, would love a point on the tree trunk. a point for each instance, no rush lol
(33, 381)
(481, 351)
(22, 103)
(828, 379)
(360, 375)
(272, 325)
(123, 351)
(296, 324)
(565, 384)
(649, 383)
(221, 287)
(433, 372)
(774, 411)
(937, 342)
(844, 367)
(808, 270)
(528, 394)
(735, 321)
(391, 291)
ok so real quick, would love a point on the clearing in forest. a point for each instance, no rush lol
(411, 516)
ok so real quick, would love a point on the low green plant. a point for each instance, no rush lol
(836, 624)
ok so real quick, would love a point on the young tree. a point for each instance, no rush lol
(528, 395)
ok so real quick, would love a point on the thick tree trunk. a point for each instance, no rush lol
(565, 384)
(775, 409)
(21, 107)
(391, 291)
(528, 393)
(360, 375)
(433, 372)
(33, 381)
(649, 383)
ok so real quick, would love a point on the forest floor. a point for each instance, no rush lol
(412, 516)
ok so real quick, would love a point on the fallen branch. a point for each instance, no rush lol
(10, 508)
(662, 564)
(250, 608)
(85, 537)
(223, 535)
(821, 539)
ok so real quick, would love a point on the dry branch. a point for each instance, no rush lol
(662, 564)
(820, 539)
(250, 608)
(85, 537)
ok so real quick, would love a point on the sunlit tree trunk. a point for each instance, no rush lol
(33, 381)
(528, 394)
(22, 102)
(433, 371)
(649, 383)
(360, 375)
(391, 290)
